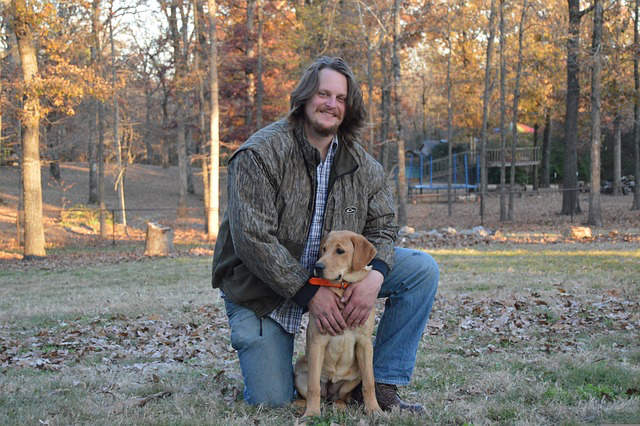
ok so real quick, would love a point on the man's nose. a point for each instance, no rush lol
(331, 101)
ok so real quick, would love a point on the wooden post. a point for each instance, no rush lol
(159, 240)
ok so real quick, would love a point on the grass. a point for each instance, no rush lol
(533, 335)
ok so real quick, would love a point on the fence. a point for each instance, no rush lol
(532, 210)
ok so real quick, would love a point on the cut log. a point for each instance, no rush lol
(159, 240)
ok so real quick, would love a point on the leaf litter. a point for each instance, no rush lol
(556, 321)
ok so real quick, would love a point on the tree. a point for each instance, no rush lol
(22, 21)
(485, 107)
(516, 98)
(595, 210)
(503, 114)
(180, 72)
(636, 109)
(214, 208)
(570, 201)
(120, 179)
(397, 78)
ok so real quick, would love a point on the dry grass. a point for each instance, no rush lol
(520, 336)
(522, 332)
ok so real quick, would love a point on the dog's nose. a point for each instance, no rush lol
(318, 269)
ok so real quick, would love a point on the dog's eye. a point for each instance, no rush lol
(339, 251)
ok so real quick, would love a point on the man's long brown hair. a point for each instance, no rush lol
(355, 111)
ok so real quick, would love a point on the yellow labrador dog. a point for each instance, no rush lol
(334, 365)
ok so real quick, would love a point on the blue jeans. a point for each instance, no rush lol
(265, 350)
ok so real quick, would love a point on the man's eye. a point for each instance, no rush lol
(339, 251)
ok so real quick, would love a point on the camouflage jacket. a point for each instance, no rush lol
(271, 195)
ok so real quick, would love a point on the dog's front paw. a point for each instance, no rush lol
(310, 413)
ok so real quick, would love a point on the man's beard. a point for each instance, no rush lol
(322, 130)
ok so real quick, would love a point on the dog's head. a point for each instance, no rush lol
(344, 256)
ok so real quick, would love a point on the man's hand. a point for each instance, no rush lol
(360, 299)
(326, 308)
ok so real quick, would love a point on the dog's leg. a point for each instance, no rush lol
(315, 359)
(301, 376)
(344, 394)
(364, 354)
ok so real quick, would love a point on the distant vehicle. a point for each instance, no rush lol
(628, 185)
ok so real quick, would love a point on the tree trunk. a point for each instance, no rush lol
(397, 79)
(214, 209)
(179, 129)
(617, 154)
(514, 123)
(116, 130)
(595, 209)
(536, 168)
(34, 242)
(486, 97)
(636, 111)
(94, 197)
(503, 119)
(570, 201)
(385, 106)
(449, 123)
(203, 146)
(370, 142)
(546, 151)
(259, 67)
(250, 55)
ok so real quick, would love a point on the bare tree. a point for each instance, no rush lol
(180, 66)
(34, 241)
(595, 210)
(120, 179)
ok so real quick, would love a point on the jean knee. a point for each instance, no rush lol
(426, 271)
(278, 394)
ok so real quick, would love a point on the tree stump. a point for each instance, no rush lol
(159, 240)
(577, 232)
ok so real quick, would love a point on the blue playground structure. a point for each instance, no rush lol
(426, 173)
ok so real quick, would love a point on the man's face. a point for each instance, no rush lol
(324, 112)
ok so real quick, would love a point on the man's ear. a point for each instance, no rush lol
(363, 252)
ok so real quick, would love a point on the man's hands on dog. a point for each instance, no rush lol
(360, 299)
(327, 308)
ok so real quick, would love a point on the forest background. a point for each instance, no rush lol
(185, 82)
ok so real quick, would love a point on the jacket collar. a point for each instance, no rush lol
(344, 161)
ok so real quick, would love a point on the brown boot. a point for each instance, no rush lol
(388, 398)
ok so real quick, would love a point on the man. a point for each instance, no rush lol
(288, 185)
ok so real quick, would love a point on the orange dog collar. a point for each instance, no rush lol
(326, 283)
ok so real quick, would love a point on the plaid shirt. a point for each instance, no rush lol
(288, 314)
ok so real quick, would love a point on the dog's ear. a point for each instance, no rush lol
(322, 243)
(363, 252)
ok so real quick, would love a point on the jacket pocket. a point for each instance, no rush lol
(243, 287)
